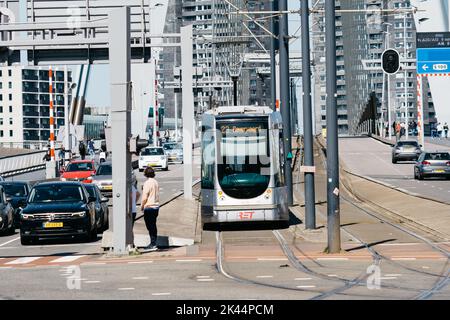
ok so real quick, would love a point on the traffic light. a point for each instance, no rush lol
(390, 61)
(136, 144)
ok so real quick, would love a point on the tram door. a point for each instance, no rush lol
(208, 166)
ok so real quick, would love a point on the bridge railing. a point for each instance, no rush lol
(17, 164)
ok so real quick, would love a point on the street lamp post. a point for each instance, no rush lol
(405, 56)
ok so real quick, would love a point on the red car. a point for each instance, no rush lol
(79, 170)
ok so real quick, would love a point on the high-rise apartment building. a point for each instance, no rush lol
(25, 104)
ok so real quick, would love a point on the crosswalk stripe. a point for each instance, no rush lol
(23, 260)
(67, 259)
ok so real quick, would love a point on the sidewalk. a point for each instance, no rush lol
(179, 224)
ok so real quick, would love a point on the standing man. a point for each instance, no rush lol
(439, 130)
(150, 206)
(398, 131)
(446, 130)
(82, 150)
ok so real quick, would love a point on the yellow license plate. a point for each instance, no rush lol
(439, 171)
(53, 225)
(107, 188)
(153, 164)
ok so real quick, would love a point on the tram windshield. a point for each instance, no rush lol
(244, 166)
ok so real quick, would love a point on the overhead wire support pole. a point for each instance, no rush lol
(274, 47)
(333, 210)
(310, 214)
(283, 40)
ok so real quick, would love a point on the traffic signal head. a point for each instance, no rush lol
(136, 144)
(390, 61)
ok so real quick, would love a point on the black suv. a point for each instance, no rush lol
(56, 209)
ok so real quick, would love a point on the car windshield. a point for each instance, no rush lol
(407, 144)
(80, 166)
(56, 193)
(153, 152)
(15, 190)
(172, 146)
(91, 190)
(439, 156)
(104, 170)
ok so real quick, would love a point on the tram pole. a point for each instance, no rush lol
(310, 199)
(274, 47)
(333, 211)
(283, 41)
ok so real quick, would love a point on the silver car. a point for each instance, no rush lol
(6, 214)
(174, 152)
(103, 178)
(406, 151)
(432, 164)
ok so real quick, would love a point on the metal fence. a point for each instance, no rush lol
(17, 164)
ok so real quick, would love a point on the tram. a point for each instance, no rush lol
(242, 171)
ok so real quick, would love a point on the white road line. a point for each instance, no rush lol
(139, 262)
(23, 260)
(304, 287)
(140, 278)
(398, 244)
(93, 263)
(425, 267)
(203, 277)
(393, 275)
(189, 260)
(262, 277)
(303, 279)
(92, 281)
(402, 259)
(67, 259)
(205, 280)
(332, 259)
(272, 259)
(125, 289)
(388, 278)
(3, 244)
(332, 275)
(161, 294)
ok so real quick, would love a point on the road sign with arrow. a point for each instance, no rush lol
(433, 53)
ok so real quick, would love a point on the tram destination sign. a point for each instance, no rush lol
(433, 52)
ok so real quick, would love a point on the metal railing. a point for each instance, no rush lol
(17, 164)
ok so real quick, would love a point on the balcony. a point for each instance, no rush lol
(31, 114)
(31, 125)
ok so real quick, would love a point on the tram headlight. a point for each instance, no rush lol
(268, 194)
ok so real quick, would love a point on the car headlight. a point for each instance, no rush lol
(1, 219)
(79, 214)
(63, 179)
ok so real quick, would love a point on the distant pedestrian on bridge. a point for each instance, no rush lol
(398, 131)
(82, 150)
(446, 130)
(150, 206)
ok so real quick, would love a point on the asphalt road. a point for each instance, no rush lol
(369, 157)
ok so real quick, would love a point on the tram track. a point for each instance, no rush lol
(443, 277)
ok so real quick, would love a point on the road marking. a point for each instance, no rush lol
(125, 289)
(402, 259)
(23, 260)
(139, 262)
(262, 277)
(3, 244)
(303, 279)
(425, 267)
(67, 259)
(388, 278)
(205, 280)
(94, 263)
(92, 281)
(332, 259)
(272, 259)
(5, 267)
(332, 275)
(161, 294)
(393, 275)
(304, 287)
(189, 260)
(140, 278)
(398, 244)
(203, 277)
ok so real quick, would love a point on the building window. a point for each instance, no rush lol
(10, 73)
(10, 97)
(1, 121)
(10, 121)
(1, 85)
(1, 133)
(1, 109)
(10, 133)
(10, 85)
(10, 108)
(1, 97)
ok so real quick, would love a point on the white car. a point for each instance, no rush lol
(153, 157)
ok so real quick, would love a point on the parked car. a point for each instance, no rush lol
(174, 152)
(432, 164)
(406, 151)
(101, 207)
(103, 178)
(58, 209)
(6, 214)
(16, 194)
(153, 157)
(78, 170)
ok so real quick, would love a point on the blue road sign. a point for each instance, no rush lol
(433, 60)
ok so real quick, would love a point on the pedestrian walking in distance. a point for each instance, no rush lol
(446, 130)
(150, 206)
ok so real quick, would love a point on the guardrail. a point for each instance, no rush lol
(17, 164)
